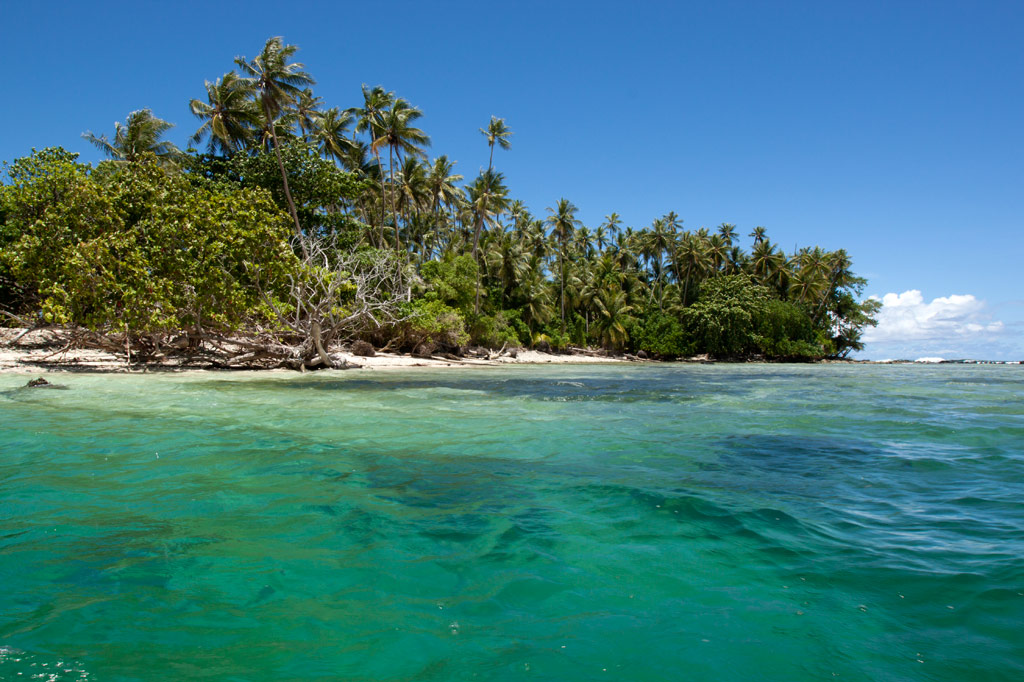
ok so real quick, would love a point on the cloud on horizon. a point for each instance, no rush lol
(948, 326)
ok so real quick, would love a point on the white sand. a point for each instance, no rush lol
(41, 351)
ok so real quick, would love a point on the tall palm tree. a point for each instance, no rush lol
(329, 136)
(397, 133)
(281, 127)
(498, 133)
(728, 233)
(718, 251)
(412, 193)
(140, 134)
(584, 241)
(765, 260)
(507, 260)
(563, 222)
(376, 101)
(673, 222)
(488, 197)
(228, 115)
(278, 84)
(613, 315)
(534, 293)
(307, 112)
(441, 184)
(691, 262)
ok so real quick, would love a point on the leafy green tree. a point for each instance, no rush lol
(452, 281)
(318, 188)
(722, 321)
(131, 248)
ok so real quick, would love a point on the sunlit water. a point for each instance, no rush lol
(557, 523)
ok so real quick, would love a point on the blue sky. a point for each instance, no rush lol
(893, 130)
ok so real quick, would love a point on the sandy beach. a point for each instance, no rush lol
(43, 351)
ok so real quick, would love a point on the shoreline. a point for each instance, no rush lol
(40, 351)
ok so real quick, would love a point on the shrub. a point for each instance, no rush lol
(432, 324)
(660, 334)
(785, 330)
(451, 281)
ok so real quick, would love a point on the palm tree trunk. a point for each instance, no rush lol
(476, 239)
(287, 191)
(383, 201)
(394, 211)
(561, 267)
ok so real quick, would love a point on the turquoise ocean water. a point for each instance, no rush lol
(656, 522)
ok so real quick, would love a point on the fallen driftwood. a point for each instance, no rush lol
(584, 351)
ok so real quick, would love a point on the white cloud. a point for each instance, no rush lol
(907, 318)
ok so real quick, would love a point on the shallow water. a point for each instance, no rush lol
(656, 522)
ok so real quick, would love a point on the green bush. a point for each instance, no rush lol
(504, 328)
(451, 281)
(785, 331)
(660, 334)
(430, 324)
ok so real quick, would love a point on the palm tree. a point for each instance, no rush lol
(611, 225)
(584, 241)
(412, 192)
(282, 128)
(375, 102)
(229, 115)
(307, 112)
(759, 234)
(441, 185)
(534, 293)
(672, 222)
(765, 261)
(496, 132)
(691, 262)
(278, 84)
(718, 251)
(488, 197)
(398, 135)
(508, 260)
(140, 134)
(563, 222)
(328, 135)
(728, 233)
(612, 316)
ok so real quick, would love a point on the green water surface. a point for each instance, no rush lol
(656, 522)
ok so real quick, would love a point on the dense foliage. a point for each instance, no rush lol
(161, 241)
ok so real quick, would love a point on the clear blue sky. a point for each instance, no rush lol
(893, 130)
